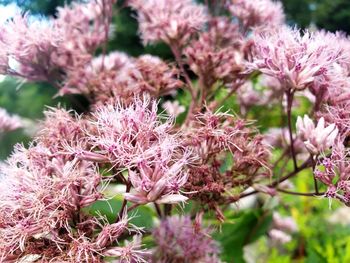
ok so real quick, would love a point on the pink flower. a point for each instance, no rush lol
(297, 61)
(180, 240)
(48, 50)
(130, 252)
(40, 195)
(316, 139)
(253, 13)
(134, 138)
(168, 20)
(173, 108)
(284, 223)
(217, 54)
(8, 122)
(279, 237)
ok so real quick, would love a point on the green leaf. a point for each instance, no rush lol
(242, 231)
(141, 216)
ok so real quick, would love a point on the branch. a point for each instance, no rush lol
(280, 180)
(297, 193)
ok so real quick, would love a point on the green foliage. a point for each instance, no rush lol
(28, 100)
(142, 216)
(240, 230)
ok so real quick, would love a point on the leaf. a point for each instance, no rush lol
(244, 230)
(142, 216)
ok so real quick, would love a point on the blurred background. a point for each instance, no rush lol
(323, 232)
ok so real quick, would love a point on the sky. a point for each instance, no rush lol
(8, 11)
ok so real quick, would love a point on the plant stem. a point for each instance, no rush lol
(159, 212)
(313, 173)
(280, 180)
(290, 95)
(297, 193)
(175, 49)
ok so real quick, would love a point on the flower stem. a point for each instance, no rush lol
(290, 96)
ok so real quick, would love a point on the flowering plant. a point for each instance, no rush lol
(145, 152)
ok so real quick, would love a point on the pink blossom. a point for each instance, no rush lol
(279, 237)
(47, 48)
(39, 196)
(217, 54)
(8, 122)
(168, 20)
(253, 13)
(173, 108)
(297, 61)
(316, 139)
(134, 138)
(178, 239)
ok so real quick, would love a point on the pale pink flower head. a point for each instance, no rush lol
(297, 60)
(154, 76)
(28, 44)
(158, 182)
(168, 20)
(39, 197)
(104, 77)
(255, 13)
(286, 224)
(217, 52)
(50, 49)
(173, 108)
(61, 127)
(8, 122)
(217, 137)
(279, 237)
(134, 137)
(333, 171)
(179, 239)
(316, 139)
(131, 251)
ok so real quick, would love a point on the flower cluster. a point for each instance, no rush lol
(169, 20)
(316, 139)
(297, 60)
(184, 167)
(180, 240)
(229, 156)
(254, 13)
(42, 50)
